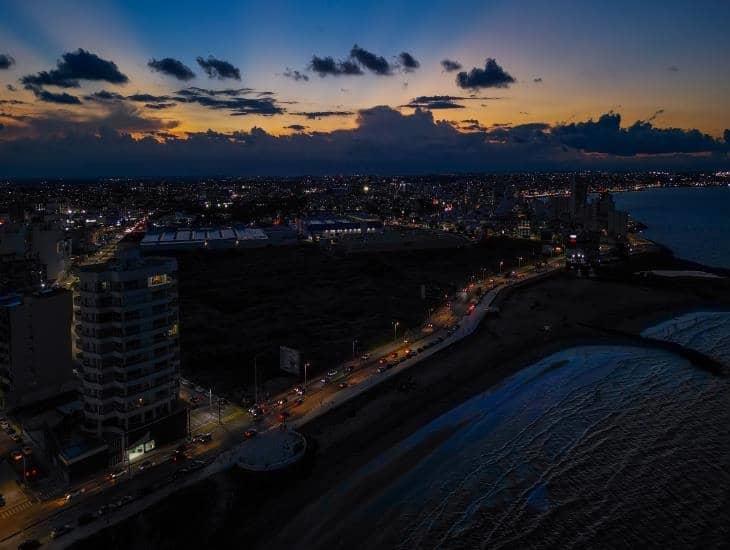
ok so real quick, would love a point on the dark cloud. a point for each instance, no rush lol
(148, 98)
(327, 66)
(384, 141)
(159, 106)
(408, 62)
(11, 88)
(673, 69)
(374, 63)
(726, 135)
(297, 127)
(450, 66)
(171, 67)
(442, 101)
(6, 61)
(50, 97)
(104, 95)
(641, 138)
(217, 68)
(538, 79)
(2, 126)
(295, 75)
(231, 101)
(491, 76)
(76, 66)
(314, 115)
(11, 102)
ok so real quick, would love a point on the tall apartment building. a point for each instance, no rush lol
(35, 347)
(126, 328)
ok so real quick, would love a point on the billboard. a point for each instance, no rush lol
(289, 360)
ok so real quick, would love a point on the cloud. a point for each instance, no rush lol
(231, 101)
(654, 116)
(383, 141)
(327, 66)
(673, 69)
(641, 138)
(408, 62)
(148, 98)
(450, 66)
(297, 127)
(159, 106)
(374, 63)
(50, 97)
(104, 95)
(76, 66)
(6, 61)
(11, 88)
(314, 115)
(11, 102)
(171, 67)
(295, 75)
(217, 68)
(726, 136)
(491, 76)
(442, 101)
(537, 80)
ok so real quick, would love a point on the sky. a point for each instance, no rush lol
(112, 87)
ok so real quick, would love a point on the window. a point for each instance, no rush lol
(156, 280)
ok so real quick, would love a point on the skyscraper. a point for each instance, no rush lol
(126, 326)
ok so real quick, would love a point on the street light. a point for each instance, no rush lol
(519, 261)
(395, 330)
(501, 263)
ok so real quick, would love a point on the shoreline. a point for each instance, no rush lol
(350, 436)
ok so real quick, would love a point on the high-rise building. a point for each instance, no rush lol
(35, 347)
(126, 326)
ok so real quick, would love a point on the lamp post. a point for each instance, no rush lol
(501, 263)
(519, 261)
(256, 376)
(306, 366)
(395, 330)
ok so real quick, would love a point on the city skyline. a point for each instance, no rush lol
(244, 89)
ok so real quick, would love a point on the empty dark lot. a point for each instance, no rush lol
(237, 304)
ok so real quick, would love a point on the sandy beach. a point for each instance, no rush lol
(533, 322)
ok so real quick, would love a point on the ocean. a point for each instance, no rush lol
(694, 222)
(594, 446)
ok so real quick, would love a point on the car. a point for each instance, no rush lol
(347, 370)
(29, 544)
(85, 518)
(299, 390)
(332, 372)
(342, 385)
(283, 415)
(203, 438)
(27, 451)
(281, 402)
(185, 382)
(298, 402)
(250, 434)
(365, 356)
(61, 530)
(16, 456)
(383, 360)
(382, 369)
(177, 456)
(255, 411)
(105, 509)
(2, 501)
(16, 438)
(116, 475)
(74, 494)
(145, 465)
(323, 380)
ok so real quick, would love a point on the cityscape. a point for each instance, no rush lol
(361, 298)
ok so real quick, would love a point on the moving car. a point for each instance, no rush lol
(283, 415)
(203, 438)
(116, 475)
(61, 530)
(76, 493)
(250, 434)
(342, 385)
(145, 465)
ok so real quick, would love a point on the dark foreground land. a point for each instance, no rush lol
(244, 510)
(238, 304)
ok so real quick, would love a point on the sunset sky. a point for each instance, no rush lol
(555, 64)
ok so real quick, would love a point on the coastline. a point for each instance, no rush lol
(352, 435)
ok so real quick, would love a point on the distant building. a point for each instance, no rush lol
(126, 328)
(35, 347)
(329, 226)
(213, 238)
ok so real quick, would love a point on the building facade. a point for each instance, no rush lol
(126, 336)
(35, 347)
